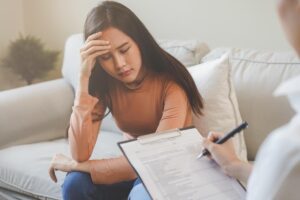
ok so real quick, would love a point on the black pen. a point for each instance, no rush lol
(225, 138)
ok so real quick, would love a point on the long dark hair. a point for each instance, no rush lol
(113, 14)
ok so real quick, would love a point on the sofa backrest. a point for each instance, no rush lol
(256, 74)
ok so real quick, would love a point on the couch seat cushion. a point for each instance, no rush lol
(24, 168)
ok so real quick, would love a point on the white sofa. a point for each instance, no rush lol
(33, 119)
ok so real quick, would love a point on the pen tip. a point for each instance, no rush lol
(200, 156)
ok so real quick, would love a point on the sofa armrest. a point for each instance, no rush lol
(35, 113)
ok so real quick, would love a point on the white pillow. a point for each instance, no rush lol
(221, 112)
(188, 52)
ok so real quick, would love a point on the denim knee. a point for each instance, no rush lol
(77, 185)
(138, 192)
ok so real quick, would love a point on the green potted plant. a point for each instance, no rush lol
(28, 58)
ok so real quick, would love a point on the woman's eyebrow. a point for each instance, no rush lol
(122, 45)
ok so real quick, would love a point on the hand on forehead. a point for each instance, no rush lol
(115, 37)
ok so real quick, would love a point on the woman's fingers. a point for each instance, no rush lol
(213, 136)
(96, 117)
(92, 43)
(97, 53)
(94, 49)
(94, 36)
(209, 145)
(52, 173)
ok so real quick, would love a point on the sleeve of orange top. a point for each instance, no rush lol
(176, 110)
(83, 131)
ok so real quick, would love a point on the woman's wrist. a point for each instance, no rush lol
(82, 166)
(238, 169)
(83, 86)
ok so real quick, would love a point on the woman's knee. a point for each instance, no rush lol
(77, 185)
(139, 192)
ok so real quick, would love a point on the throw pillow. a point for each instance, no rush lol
(188, 52)
(221, 112)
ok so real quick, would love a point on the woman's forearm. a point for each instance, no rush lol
(240, 170)
(83, 86)
(83, 166)
(83, 131)
(108, 171)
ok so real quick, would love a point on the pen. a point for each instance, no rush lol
(225, 138)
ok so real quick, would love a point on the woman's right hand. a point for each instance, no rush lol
(223, 154)
(226, 157)
(92, 48)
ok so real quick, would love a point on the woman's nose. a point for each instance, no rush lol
(119, 61)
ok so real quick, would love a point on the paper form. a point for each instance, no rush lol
(170, 170)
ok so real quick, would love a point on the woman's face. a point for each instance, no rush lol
(123, 61)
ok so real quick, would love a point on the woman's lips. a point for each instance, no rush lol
(125, 73)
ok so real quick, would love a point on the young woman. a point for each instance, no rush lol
(125, 72)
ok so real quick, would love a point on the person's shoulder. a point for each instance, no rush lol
(162, 80)
(172, 86)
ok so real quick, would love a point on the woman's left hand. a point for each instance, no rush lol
(62, 163)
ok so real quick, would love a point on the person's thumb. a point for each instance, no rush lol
(207, 144)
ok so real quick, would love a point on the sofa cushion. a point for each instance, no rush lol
(221, 110)
(188, 52)
(256, 74)
(24, 168)
(35, 113)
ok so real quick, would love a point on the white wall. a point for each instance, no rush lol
(238, 23)
(54, 20)
(12, 24)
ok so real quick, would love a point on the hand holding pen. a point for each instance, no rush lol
(225, 138)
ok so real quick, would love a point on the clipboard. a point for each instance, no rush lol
(152, 158)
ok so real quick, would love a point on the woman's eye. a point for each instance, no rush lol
(124, 50)
(105, 57)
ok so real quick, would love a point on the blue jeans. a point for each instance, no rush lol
(138, 192)
(79, 185)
